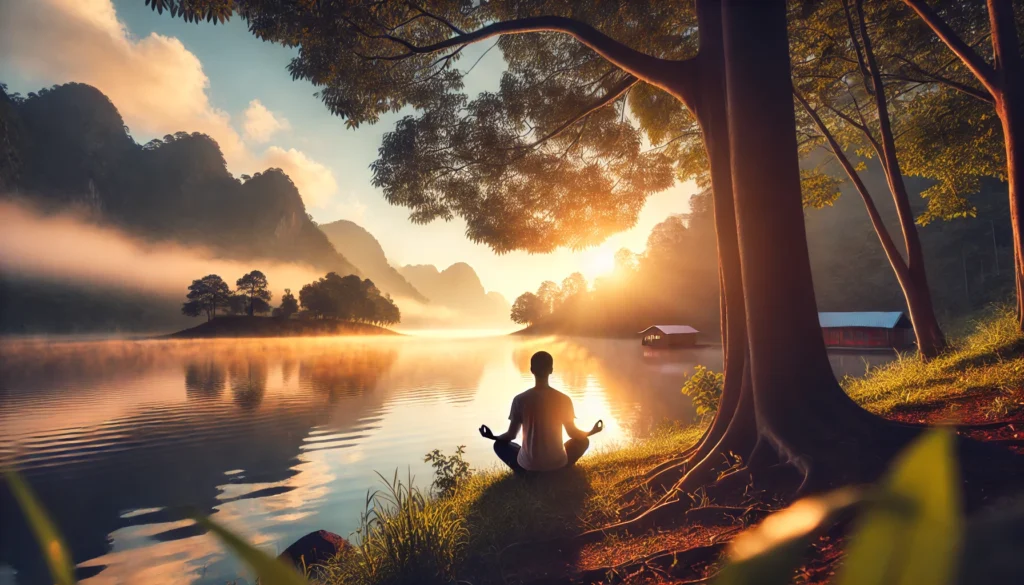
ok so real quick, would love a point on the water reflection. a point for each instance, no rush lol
(277, 438)
(204, 380)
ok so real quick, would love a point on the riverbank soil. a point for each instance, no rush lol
(245, 326)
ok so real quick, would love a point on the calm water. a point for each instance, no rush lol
(276, 437)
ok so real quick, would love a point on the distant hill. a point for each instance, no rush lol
(68, 148)
(366, 253)
(458, 288)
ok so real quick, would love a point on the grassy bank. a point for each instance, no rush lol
(982, 376)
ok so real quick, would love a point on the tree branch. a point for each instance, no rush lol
(663, 73)
(888, 245)
(982, 70)
(614, 93)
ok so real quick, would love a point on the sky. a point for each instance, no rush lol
(165, 76)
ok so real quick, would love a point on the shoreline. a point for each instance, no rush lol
(269, 327)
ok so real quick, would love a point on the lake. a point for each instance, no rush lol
(277, 437)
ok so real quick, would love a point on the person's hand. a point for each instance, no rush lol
(486, 433)
(598, 427)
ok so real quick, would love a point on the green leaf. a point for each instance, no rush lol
(910, 532)
(270, 571)
(768, 553)
(58, 557)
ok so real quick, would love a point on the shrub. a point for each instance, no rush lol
(704, 388)
(449, 471)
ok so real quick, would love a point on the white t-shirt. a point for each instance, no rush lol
(542, 412)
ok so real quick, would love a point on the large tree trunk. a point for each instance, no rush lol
(1010, 108)
(799, 406)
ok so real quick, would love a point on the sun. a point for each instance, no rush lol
(598, 262)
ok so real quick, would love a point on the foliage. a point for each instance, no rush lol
(404, 538)
(909, 530)
(205, 295)
(289, 305)
(704, 388)
(527, 309)
(269, 570)
(450, 471)
(253, 288)
(552, 151)
(348, 298)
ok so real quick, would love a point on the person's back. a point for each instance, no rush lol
(543, 412)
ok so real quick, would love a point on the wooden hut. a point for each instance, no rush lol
(867, 330)
(669, 336)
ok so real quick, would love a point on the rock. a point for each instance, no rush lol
(314, 549)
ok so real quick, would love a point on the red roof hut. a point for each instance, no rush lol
(867, 330)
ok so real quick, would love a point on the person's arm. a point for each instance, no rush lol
(576, 433)
(515, 422)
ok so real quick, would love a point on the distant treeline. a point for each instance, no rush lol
(675, 280)
(345, 298)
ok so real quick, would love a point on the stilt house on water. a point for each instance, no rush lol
(669, 336)
(868, 330)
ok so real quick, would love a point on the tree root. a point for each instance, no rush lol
(665, 563)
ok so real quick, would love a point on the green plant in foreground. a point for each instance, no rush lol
(704, 388)
(404, 538)
(450, 471)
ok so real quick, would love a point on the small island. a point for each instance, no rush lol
(332, 305)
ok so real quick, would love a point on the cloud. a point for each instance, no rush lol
(157, 85)
(261, 123)
(315, 181)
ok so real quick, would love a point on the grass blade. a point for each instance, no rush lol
(56, 553)
(270, 571)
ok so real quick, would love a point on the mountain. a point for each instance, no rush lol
(459, 288)
(366, 253)
(68, 148)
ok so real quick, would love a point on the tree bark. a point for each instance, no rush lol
(1009, 75)
(799, 407)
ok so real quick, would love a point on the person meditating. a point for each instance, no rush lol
(541, 411)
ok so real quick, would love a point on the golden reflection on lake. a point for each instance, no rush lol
(276, 437)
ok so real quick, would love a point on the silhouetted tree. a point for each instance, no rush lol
(289, 305)
(205, 295)
(572, 287)
(548, 295)
(254, 287)
(527, 309)
(348, 298)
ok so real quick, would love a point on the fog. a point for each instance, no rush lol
(65, 247)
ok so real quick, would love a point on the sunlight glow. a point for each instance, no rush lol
(598, 262)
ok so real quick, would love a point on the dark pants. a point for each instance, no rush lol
(508, 452)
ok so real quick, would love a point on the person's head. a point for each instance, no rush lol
(542, 364)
